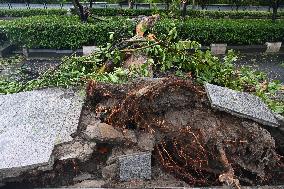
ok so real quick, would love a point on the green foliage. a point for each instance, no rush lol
(189, 13)
(60, 32)
(73, 71)
(122, 12)
(231, 14)
(168, 55)
(171, 54)
(234, 32)
(33, 1)
(30, 12)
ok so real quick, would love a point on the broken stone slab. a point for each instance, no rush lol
(88, 184)
(240, 104)
(135, 167)
(82, 177)
(81, 150)
(32, 123)
(217, 49)
(146, 141)
(87, 50)
(130, 136)
(273, 47)
(103, 132)
(109, 172)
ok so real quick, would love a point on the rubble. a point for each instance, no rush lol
(109, 172)
(146, 142)
(81, 150)
(82, 177)
(88, 184)
(103, 132)
(156, 133)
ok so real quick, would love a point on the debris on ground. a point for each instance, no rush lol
(159, 132)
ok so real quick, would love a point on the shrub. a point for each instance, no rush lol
(234, 32)
(231, 14)
(125, 12)
(190, 13)
(68, 32)
(30, 12)
(60, 32)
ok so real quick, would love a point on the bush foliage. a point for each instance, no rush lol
(233, 32)
(60, 32)
(30, 12)
(190, 13)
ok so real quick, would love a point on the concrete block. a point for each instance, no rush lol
(89, 49)
(273, 47)
(217, 49)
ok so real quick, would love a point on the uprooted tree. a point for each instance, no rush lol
(192, 141)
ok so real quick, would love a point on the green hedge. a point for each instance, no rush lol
(124, 12)
(190, 13)
(30, 12)
(68, 32)
(61, 32)
(233, 32)
(232, 14)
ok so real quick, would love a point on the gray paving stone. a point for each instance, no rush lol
(240, 104)
(135, 167)
(32, 123)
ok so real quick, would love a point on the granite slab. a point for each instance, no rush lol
(135, 167)
(240, 104)
(32, 123)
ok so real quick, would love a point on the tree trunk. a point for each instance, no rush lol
(193, 4)
(184, 5)
(80, 10)
(275, 5)
(167, 4)
(130, 4)
(91, 3)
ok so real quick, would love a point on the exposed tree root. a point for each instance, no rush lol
(194, 142)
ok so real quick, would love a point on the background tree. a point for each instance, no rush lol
(238, 3)
(275, 5)
(91, 3)
(130, 4)
(81, 11)
(184, 6)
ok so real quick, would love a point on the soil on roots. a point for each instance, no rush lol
(195, 143)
